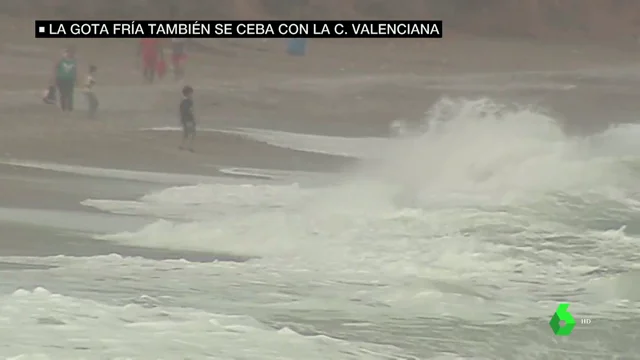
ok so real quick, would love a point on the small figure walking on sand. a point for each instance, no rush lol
(187, 119)
(49, 96)
(89, 84)
(65, 74)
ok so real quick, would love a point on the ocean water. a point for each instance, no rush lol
(456, 240)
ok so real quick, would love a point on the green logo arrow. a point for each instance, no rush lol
(562, 322)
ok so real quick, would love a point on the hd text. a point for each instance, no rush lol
(239, 29)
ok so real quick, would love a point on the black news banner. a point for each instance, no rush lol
(239, 29)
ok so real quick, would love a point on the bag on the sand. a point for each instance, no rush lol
(49, 96)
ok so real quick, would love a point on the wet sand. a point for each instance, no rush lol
(340, 88)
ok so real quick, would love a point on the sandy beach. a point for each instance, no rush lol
(343, 87)
(51, 163)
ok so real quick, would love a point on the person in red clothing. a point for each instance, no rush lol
(150, 51)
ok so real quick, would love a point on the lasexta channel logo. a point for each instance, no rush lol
(562, 322)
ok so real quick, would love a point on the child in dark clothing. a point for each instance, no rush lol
(92, 99)
(187, 119)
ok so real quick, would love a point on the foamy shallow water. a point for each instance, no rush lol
(136, 329)
(458, 242)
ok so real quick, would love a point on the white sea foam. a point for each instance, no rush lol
(70, 328)
(468, 232)
(480, 180)
(144, 309)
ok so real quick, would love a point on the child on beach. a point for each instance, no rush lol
(92, 99)
(49, 96)
(187, 119)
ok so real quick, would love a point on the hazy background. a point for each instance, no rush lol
(604, 19)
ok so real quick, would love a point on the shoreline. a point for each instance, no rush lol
(34, 241)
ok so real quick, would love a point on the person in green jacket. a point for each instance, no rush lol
(66, 72)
